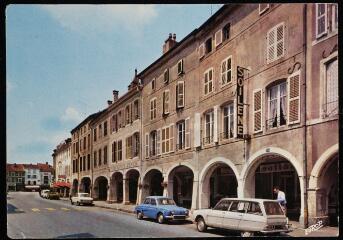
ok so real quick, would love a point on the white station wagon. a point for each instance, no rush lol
(246, 215)
(82, 198)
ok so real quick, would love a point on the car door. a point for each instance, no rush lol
(215, 215)
(253, 219)
(233, 216)
(145, 207)
(153, 208)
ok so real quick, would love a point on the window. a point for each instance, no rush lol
(80, 159)
(180, 67)
(28, 176)
(153, 84)
(105, 128)
(208, 81)
(321, 19)
(100, 131)
(153, 109)
(88, 162)
(19, 180)
(209, 127)
(226, 31)
(94, 135)
(135, 145)
(277, 105)
(201, 50)
(208, 46)
(180, 135)
(218, 37)
(34, 176)
(228, 123)
(275, 43)
(89, 141)
(180, 94)
(166, 76)
(262, 8)
(167, 139)
(153, 143)
(29, 182)
(77, 147)
(166, 102)
(127, 114)
(119, 119)
(129, 147)
(84, 143)
(105, 155)
(120, 157)
(94, 159)
(136, 109)
(114, 152)
(226, 71)
(84, 163)
(334, 10)
(330, 107)
(99, 154)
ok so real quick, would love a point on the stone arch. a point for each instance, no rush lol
(131, 185)
(116, 187)
(100, 187)
(152, 182)
(85, 184)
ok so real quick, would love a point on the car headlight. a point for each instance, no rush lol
(172, 212)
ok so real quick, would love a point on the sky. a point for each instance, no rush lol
(63, 61)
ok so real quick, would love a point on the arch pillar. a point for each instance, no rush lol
(126, 191)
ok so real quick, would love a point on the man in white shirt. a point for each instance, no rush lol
(281, 198)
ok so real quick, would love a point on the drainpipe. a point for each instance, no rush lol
(305, 112)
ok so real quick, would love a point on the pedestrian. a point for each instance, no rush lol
(281, 198)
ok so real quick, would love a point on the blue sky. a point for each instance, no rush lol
(64, 61)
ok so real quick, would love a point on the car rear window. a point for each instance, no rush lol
(272, 208)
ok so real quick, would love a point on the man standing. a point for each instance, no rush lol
(281, 198)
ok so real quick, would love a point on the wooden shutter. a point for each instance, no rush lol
(215, 124)
(180, 89)
(293, 85)
(280, 40)
(218, 37)
(257, 110)
(158, 142)
(201, 50)
(146, 145)
(180, 67)
(271, 45)
(197, 140)
(171, 138)
(187, 133)
(262, 8)
(163, 140)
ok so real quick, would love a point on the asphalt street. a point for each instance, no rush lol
(30, 216)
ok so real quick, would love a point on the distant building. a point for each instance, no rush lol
(38, 176)
(46, 174)
(15, 177)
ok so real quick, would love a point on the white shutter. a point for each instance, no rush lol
(187, 133)
(262, 8)
(180, 91)
(321, 19)
(280, 40)
(215, 124)
(197, 140)
(218, 37)
(293, 90)
(201, 50)
(257, 110)
(147, 145)
(171, 138)
(158, 141)
(271, 45)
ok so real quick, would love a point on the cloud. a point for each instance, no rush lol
(10, 86)
(103, 18)
(71, 115)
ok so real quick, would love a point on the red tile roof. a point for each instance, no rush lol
(15, 168)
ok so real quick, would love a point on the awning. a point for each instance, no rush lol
(61, 184)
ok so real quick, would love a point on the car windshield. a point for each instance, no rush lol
(84, 195)
(165, 201)
(273, 208)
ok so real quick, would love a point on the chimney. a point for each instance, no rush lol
(115, 95)
(46, 163)
(109, 102)
(169, 43)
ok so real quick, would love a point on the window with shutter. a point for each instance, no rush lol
(146, 145)
(209, 127)
(257, 110)
(228, 121)
(262, 8)
(208, 46)
(171, 138)
(293, 83)
(120, 147)
(180, 89)
(208, 81)
(331, 91)
(201, 50)
(152, 109)
(321, 19)
(226, 70)
(275, 43)
(105, 155)
(277, 105)
(153, 84)
(197, 135)
(187, 133)
(180, 67)
(114, 157)
(218, 37)
(180, 138)
(158, 142)
(166, 102)
(166, 76)
(215, 124)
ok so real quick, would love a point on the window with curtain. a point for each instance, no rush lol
(277, 105)
(228, 124)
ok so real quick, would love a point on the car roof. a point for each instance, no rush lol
(251, 199)
(158, 197)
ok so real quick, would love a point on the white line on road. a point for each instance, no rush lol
(65, 209)
(35, 209)
(22, 234)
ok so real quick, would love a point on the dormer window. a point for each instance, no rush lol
(180, 67)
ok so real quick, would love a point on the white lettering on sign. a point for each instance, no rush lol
(240, 79)
(276, 167)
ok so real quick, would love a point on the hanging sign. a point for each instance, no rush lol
(239, 122)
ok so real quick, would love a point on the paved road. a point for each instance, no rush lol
(30, 216)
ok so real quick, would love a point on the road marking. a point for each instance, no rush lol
(50, 209)
(65, 209)
(23, 235)
(35, 209)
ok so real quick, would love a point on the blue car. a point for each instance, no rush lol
(161, 209)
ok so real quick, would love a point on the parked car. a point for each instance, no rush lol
(81, 198)
(161, 209)
(248, 216)
(53, 195)
(44, 193)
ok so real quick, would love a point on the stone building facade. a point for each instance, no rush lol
(233, 109)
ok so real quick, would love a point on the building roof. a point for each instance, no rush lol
(45, 167)
(30, 166)
(90, 117)
(15, 167)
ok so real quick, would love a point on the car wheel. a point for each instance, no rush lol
(160, 218)
(201, 225)
(247, 234)
(71, 202)
(139, 215)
